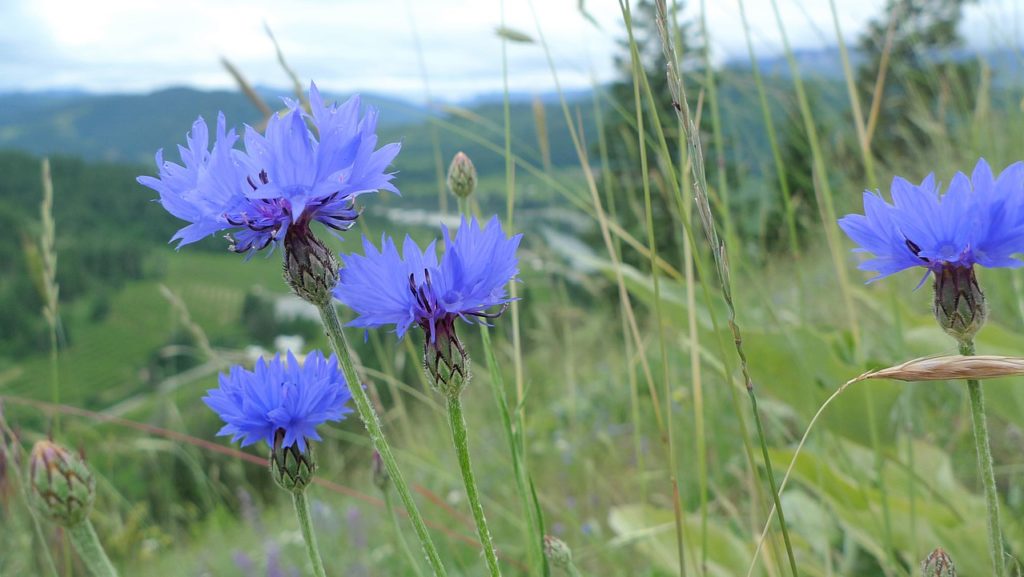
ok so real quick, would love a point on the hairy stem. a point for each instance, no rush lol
(988, 476)
(84, 538)
(332, 325)
(460, 438)
(306, 524)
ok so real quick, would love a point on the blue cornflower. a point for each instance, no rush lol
(384, 288)
(277, 397)
(287, 177)
(979, 220)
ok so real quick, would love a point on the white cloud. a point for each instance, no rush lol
(134, 45)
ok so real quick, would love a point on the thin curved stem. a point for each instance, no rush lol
(83, 537)
(988, 476)
(306, 524)
(402, 543)
(460, 438)
(332, 325)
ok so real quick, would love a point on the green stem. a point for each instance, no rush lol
(306, 523)
(401, 536)
(771, 482)
(332, 325)
(84, 538)
(534, 529)
(988, 476)
(458, 423)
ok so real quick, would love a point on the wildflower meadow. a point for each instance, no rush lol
(747, 301)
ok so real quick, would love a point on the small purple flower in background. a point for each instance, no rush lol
(287, 177)
(385, 288)
(977, 221)
(291, 398)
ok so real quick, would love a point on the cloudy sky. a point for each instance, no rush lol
(371, 45)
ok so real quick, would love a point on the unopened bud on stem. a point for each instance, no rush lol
(559, 555)
(938, 564)
(462, 175)
(63, 488)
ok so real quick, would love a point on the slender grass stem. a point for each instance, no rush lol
(718, 249)
(988, 476)
(332, 325)
(83, 537)
(771, 482)
(301, 502)
(534, 531)
(652, 246)
(460, 438)
(403, 544)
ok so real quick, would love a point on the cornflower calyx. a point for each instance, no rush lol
(310, 268)
(291, 468)
(62, 487)
(959, 306)
(444, 357)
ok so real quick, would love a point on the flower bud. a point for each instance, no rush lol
(938, 564)
(310, 268)
(462, 175)
(381, 477)
(960, 305)
(292, 469)
(557, 552)
(62, 487)
(444, 358)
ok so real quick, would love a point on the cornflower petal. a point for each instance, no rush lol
(384, 288)
(285, 177)
(274, 396)
(978, 220)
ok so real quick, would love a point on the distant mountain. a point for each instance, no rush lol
(826, 63)
(131, 127)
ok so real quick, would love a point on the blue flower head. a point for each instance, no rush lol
(979, 220)
(385, 288)
(288, 176)
(275, 396)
